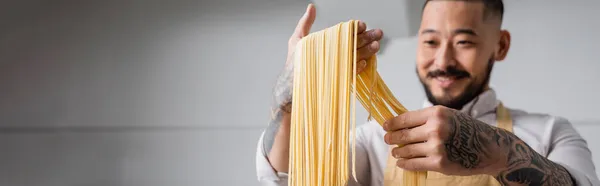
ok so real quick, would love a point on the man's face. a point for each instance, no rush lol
(456, 51)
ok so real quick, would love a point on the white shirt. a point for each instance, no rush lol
(551, 136)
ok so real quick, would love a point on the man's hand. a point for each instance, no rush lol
(445, 140)
(368, 45)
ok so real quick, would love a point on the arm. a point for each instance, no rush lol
(526, 166)
(448, 141)
(277, 136)
(569, 160)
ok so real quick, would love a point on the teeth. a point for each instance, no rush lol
(443, 78)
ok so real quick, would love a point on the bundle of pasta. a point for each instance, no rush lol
(326, 86)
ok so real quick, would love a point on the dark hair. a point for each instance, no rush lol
(492, 7)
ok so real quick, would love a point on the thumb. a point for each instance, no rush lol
(305, 23)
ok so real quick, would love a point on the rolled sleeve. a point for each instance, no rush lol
(267, 176)
(570, 150)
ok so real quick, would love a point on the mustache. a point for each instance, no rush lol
(450, 71)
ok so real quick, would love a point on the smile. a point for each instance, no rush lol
(446, 81)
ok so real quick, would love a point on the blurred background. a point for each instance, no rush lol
(154, 93)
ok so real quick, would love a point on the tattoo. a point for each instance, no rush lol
(528, 176)
(525, 166)
(282, 102)
(470, 141)
(467, 141)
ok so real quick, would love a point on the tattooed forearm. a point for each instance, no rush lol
(282, 102)
(525, 166)
(470, 142)
(282, 93)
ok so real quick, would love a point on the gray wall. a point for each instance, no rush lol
(176, 92)
(137, 93)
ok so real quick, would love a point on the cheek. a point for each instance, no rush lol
(468, 59)
(474, 61)
(425, 58)
(421, 70)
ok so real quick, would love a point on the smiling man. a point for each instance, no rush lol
(463, 135)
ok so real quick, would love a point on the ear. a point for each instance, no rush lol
(503, 45)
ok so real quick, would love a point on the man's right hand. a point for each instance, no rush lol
(277, 136)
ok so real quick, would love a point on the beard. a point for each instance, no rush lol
(473, 89)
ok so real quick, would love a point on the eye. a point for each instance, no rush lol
(465, 42)
(430, 42)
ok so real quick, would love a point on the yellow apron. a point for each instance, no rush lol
(393, 174)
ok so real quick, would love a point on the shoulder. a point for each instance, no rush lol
(540, 130)
(537, 120)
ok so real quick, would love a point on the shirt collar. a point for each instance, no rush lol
(481, 105)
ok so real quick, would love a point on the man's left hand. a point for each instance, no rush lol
(447, 141)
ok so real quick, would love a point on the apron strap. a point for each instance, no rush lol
(503, 118)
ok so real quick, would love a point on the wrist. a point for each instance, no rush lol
(513, 154)
(287, 107)
(518, 157)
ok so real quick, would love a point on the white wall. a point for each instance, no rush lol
(176, 92)
(143, 63)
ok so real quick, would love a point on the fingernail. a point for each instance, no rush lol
(379, 33)
(375, 45)
(306, 11)
(385, 125)
(386, 138)
(362, 64)
(308, 7)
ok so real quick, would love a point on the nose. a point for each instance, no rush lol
(444, 56)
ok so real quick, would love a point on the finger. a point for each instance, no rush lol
(407, 120)
(361, 27)
(367, 51)
(405, 136)
(369, 36)
(416, 164)
(360, 66)
(417, 150)
(305, 23)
